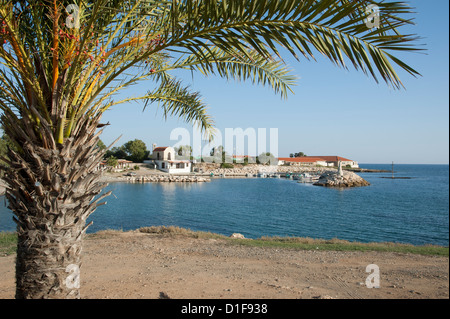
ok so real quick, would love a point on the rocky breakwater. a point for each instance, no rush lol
(346, 179)
(250, 170)
(166, 179)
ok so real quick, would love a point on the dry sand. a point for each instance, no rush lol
(142, 266)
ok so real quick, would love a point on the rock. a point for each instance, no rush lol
(163, 295)
(348, 179)
(238, 236)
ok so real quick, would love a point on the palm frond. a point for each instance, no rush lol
(63, 73)
(335, 29)
(234, 65)
(178, 101)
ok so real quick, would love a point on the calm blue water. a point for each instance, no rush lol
(412, 211)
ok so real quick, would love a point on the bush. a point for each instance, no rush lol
(226, 165)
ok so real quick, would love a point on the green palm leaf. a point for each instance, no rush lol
(179, 101)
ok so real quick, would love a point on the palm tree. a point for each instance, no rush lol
(63, 62)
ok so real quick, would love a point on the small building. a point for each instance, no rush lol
(165, 160)
(326, 161)
(302, 161)
(334, 161)
(121, 166)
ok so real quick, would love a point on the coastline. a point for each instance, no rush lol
(145, 174)
(203, 173)
(208, 171)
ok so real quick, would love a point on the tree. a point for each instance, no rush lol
(136, 151)
(101, 145)
(217, 151)
(267, 158)
(117, 152)
(220, 156)
(62, 62)
(112, 161)
(184, 152)
(300, 154)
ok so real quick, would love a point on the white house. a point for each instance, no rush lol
(164, 159)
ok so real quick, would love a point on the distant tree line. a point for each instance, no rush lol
(299, 154)
(135, 151)
(219, 155)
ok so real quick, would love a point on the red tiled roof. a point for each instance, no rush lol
(160, 149)
(333, 158)
(312, 159)
(301, 159)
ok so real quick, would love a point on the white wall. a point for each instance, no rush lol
(171, 168)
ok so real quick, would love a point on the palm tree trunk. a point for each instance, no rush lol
(52, 191)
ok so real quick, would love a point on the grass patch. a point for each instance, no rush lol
(342, 245)
(302, 243)
(8, 243)
(177, 231)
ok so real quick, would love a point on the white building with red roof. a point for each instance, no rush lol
(332, 161)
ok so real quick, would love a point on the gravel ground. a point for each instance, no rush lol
(136, 265)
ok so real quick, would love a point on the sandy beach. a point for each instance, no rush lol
(136, 265)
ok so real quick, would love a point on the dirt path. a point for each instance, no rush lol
(137, 265)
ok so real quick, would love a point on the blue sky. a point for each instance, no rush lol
(333, 111)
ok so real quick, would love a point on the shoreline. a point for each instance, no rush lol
(210, 171)
(282, 242)
(249, 171)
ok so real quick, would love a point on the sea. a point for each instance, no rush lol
(413, 211)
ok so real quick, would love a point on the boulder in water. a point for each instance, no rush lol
(347, 179)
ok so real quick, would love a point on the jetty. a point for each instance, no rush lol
(167, 179)
(393, 176)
